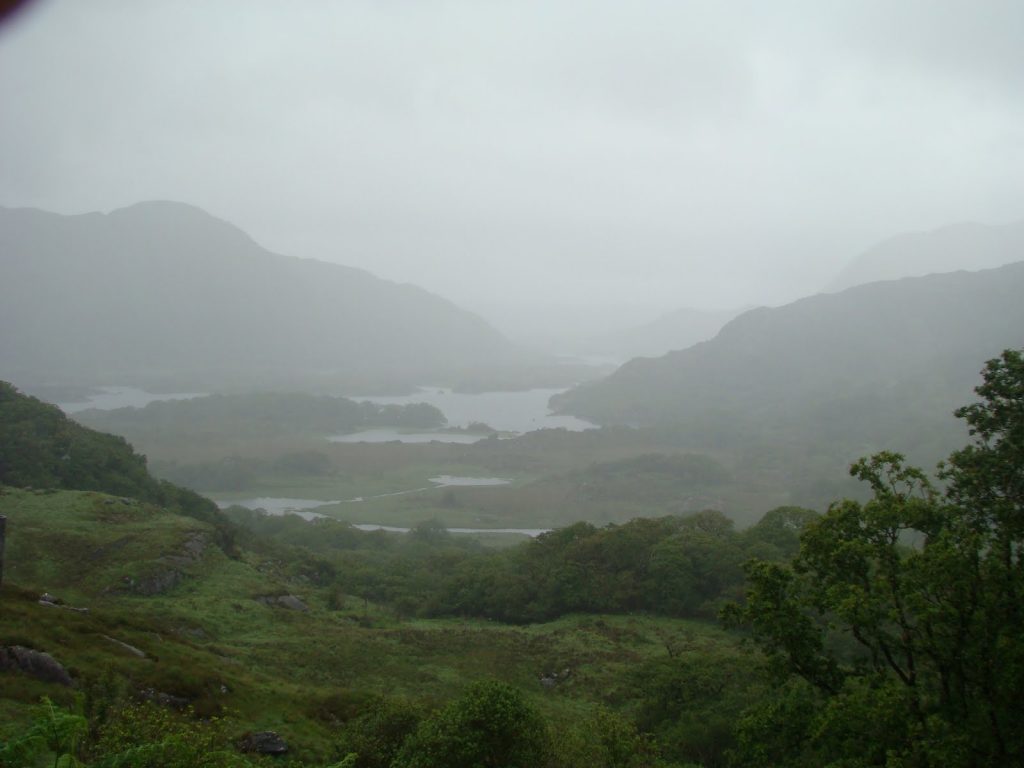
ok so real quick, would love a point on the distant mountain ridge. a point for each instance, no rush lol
(679, 329)
(861, 365)
(164, 292)
(967, 246)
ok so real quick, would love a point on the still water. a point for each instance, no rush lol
(305, 508)
(510, 412)
(109, 398)
(514, 412)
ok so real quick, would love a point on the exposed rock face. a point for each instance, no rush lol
(154, 584)
(52, 601)
(263, 743)
(192, 550)
(291, 602)
(130, 648)
(551, 679)
(163, 699)
(37, 664)
(170, 568)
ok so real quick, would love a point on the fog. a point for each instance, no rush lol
(538, 163)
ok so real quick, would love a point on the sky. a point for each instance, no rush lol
(526, 159)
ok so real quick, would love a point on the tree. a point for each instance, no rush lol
(903, 613)
(490, 726)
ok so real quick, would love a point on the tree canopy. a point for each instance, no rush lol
(899, 622)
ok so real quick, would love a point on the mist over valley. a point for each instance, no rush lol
(540, 385)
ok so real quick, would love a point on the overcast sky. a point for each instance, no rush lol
(656, 153)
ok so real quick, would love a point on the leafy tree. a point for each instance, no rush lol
(604, 740)
(377, 734)
(491, 726)
(903, 613)
(777, 534)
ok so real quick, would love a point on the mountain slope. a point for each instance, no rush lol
(165, 292)
(675, 330)
(873, 363)
(947, 249)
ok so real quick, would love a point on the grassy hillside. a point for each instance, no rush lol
(40, 447)
(157, 625)
(210, 637)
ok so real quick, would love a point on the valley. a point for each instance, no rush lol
(511, 385)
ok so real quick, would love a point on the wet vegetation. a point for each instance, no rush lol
(881, 632)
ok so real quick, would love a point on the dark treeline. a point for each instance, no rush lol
(261, 414)
(671, 566)
(40, 447)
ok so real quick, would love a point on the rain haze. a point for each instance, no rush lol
(577, 383)
(537, 163)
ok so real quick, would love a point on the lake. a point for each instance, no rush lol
(509, 412)
(514, 412)
(531, 532)
(276, 505)
(304, 508)
(387, 435)
(110, 398)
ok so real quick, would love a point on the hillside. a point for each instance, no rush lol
(163, 294)
(157, 647)
(876, 365)
(40, 447)
(675, 330)
(947, 249)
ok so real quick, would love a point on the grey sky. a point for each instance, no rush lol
(655, 153)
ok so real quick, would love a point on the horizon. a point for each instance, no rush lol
(521, 159)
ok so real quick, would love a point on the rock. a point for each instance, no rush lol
(130, 648)
(49, 601)
(551, 679)
(37, 664)
(163, 699)
(263, 743)
(154, 584)
(191, 551)
(291, 602)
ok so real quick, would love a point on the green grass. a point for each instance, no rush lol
(207, 638)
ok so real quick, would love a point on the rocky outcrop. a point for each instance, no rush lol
(552, 679)
(191, 550)
(163, 699)
(291, 602)
(130, 648)
(263, 743)
(168, 570)
(37, 664)
(51, 601)
(154, 584)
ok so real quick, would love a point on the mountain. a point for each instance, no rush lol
(951, 248)
(164, 294)
(873, 366)
(675, 330)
